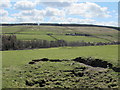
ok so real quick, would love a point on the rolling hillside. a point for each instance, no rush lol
(68, 33)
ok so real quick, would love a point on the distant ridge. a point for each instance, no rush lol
(56, 24)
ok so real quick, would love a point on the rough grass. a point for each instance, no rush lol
(64, 74)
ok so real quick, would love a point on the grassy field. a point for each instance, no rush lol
(101, 34)
(63, 37)
(15, 72)
(20, 57)
(32, 37)
(80, 38)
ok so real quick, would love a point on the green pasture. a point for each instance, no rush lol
(94, 30)
(60, 37)
(40, 32)
(59, 29)
(20, 57)
(31, 29)
(32, 37)
(80, 38)
(14, 61)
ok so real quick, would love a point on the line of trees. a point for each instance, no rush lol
(56, 24)
(10, 42)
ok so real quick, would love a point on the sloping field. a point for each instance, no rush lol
(105, 34)
(80, 38)
(32, 37)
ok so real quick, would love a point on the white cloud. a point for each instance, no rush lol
(56, 3)
(57, 19)
(5, 4)
(88, 10)
(71, 20)
(58, 11)
(56, 0)
(37, 15)
(33, 12)
(30, 16)
(81, 21)
(54, 12)
(24, 5)
(3, 13)
(30, 19)
(77, 20)
(110, 23)
(7, 19)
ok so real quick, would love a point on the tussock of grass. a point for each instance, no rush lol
(64, 74)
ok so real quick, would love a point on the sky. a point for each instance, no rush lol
(60, 11)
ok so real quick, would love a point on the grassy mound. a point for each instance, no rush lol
(63, 74)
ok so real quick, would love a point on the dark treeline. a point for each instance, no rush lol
(18, 24)
(56, 24)
(10, 42)
(84, 25)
